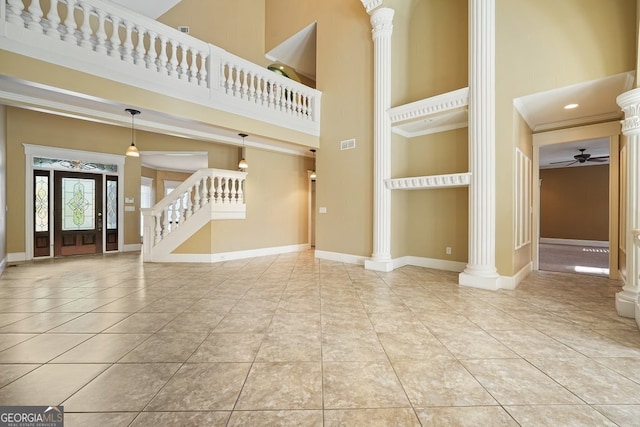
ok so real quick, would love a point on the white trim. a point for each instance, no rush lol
(336, 256)
(3, 265)
(132, 247)
(31, 151)
(511, 282)
(230, 256)
(574, 242)
(438, 264)
(16, 257)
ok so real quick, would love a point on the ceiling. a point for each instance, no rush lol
(298, 52)
(596, 101)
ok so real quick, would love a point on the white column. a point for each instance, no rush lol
(382, 23)
(481, 270)
(627, 303)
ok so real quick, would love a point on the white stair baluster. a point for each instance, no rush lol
(14, 12)
(193, 69)
(219, 190)
(166, 229)
(244, 88)
(196, 197)
(53, 17)
(211, 189)
(189, 210)
(85, 28)
(240, 191)
(163, 58)
(271, 92)
(152, 54)
(158, 228)
(261, 95)
(227, 190)
(178, 210)
(70, 25)
(229, 82)
(114, 41)
(183, 70)
(203, 192)
(140, 52)
(101, 34)
(252, 87)
(203, 69)
(237, 84)
(35, 15)
(127, 51)
(173, 62)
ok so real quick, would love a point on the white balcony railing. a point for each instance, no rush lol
(216, 192)
(107, 40)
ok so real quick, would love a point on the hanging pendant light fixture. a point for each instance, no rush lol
(243, 163)
(313, 172)
(132, 151)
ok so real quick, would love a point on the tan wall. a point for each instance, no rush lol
(277, 196)
(24, 126)
(3, 184)
(566, 194)
(162, 176)
(537, 51)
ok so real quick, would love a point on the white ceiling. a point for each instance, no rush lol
(298, 52)
(596, 101)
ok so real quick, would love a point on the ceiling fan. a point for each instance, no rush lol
(583, 158)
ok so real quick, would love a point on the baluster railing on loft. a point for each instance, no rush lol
(218, 190)
(110, 41)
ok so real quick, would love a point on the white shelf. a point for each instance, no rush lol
(427, 182)
(439, 113)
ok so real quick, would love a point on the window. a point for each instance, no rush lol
(146, 198)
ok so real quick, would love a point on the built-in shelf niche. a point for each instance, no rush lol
(439, 113)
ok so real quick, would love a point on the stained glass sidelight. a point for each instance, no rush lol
(78, 204)
(112, 204)
(41, 198)
(75, 165)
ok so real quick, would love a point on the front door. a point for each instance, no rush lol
(78, 213)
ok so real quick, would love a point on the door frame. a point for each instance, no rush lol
(609, 130)
(31, 151)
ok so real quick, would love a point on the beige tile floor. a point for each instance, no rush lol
(291, 340)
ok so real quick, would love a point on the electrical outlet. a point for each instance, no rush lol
(448, 250)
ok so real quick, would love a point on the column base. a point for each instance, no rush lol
(491, 283)
(627, 304)
(384, 266)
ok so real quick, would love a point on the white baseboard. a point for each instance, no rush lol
(231, 256)
(339, 257)
(16, 257)
(574, 242)
(134, 247)
(511, 282)
(438, 264)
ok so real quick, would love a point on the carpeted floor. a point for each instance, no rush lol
(574, 259)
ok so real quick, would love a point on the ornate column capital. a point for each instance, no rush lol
(382, 22)
(369, 5)
(629, 102)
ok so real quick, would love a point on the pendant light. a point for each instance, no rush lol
(132, 151)
(313, 172)
(243, 163)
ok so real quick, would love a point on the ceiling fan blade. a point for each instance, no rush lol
(564, 161)
(598, 159)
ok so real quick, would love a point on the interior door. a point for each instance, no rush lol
(78, 213)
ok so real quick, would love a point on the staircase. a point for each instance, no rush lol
(208, 194)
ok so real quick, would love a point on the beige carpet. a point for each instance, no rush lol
(574, 259)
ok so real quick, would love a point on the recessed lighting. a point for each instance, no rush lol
(570, 106)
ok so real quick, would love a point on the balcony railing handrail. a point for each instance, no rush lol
(110, 41)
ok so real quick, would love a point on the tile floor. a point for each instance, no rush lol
(290, 340)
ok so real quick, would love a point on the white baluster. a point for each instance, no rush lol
(163, 58)
(166, 229)
(287, 100)
(261, 91)
(227, 184)
(85, 28)
(173, 62)
(114, 41)
(219, 190)
(14, 12)
(233, 194)
(237, 82)
(203, 69)
(211, 189)
(140, 53)
(196, 197)
(35, 15)
(229, 83)
(203, 191)
(183, 72)
(193, 70)
(152, 53)
(158, 228)
(271, 90)
(53, 18)
(252, 88)
(177, 212)
(127, 46)
(240, 191)
(244, 88)
(189, 211)
(101, 34)
(70, 23)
